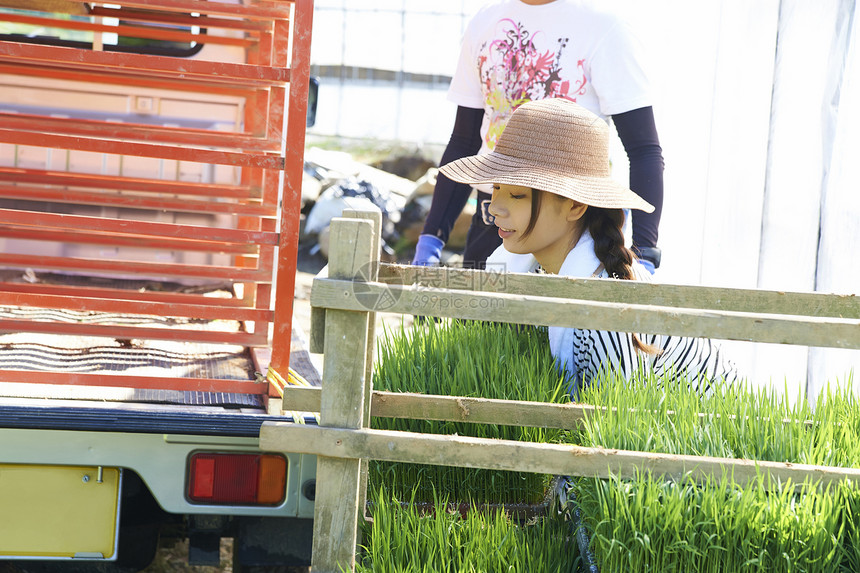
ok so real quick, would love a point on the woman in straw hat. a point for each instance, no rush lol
(557, 210)
(514, 51)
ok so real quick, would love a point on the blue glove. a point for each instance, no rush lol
(428, 251)
(649, 266)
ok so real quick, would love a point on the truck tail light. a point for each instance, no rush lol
(237, 479)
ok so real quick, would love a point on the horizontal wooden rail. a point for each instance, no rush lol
(509, 455)
(452, 408)
(637, 292)
(65, 178)
(613, 316)
(469, 410)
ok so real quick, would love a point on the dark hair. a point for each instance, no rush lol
(537, 200)
(605, 227)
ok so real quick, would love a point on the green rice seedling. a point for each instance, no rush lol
(645, 524)
(402, 539)
(649, 414)
(649, 524)
(472, 359)
(667, 416)
(850, 502)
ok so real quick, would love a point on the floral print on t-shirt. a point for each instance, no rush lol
(514, 70)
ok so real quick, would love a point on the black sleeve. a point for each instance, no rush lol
(638, 134)
(449, 197)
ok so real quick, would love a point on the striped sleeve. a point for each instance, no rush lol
(587, 353)
(699, 360)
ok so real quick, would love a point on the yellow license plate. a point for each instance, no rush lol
(59, 511)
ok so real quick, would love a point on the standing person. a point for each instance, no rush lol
(514, 51)
(557, 209)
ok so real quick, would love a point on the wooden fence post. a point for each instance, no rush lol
(375, 217)
(337, 505)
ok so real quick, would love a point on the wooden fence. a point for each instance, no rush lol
(357, 286)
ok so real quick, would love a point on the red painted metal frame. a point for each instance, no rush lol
(173, 298)
(251, 10)
(181, 19)
(100, 76)
(109, 239)
(268, 148)
(248, 10)
(123, 147)
(150, 67)
(135, 201)
(67, 179)
(136, 132)
(292, 189)
(138, 228)
(128, 31)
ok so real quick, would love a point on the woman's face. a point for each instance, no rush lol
(556, 229)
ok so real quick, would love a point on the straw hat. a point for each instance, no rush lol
(555, 145)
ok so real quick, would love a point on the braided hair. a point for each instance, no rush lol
(605, 227)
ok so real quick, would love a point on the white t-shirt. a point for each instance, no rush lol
(513, 52)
